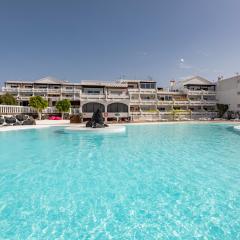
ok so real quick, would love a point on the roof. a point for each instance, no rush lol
(45, 80)
(50, 80)
(135, 81)
(102, 83)
(234, 78)
(196, 80)
(17, 81)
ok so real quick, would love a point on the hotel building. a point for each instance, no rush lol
(228, 92)
(136, 99)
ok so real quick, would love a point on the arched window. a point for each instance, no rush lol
(92, 107)
(117, 107)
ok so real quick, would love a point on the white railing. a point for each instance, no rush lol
(165, 102)
(135, 100)
(93, 96)
(148, 102)
(118, 96)
(199, 92)
(133, 90)
(192, 103)
(12, 109)
(181, 102)
(203, 102)
(68, 90)
(5, 89)
(147, 91)
(55, 98)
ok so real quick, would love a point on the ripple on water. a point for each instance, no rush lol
(151, 182)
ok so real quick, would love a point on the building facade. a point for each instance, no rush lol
(192, 98)
(228, 92)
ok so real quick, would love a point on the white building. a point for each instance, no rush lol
(138, 99)
(228, 92)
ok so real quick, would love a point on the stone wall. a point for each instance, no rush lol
(16, 120)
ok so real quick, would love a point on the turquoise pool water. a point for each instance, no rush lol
(179, 181)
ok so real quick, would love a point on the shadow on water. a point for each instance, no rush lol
(98, 138)
(61, 132)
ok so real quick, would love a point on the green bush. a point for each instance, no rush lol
(38, 103)
(63, 106)
(7, 99)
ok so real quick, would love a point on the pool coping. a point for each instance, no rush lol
(44, 124)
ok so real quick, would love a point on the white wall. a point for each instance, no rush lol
(228, 92)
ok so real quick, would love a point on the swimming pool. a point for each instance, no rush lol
(178, 181)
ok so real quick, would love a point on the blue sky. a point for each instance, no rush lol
(104, 39)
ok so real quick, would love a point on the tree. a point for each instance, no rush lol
(63, 106)
(38, 103)
(222, 108)
(8, 99)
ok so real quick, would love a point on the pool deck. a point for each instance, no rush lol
(66, 123)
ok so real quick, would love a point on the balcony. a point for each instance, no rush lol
(54, 98)
(181, 102)
(133, 90)
(6, 89)
(92, 96)
(148, 102)
(195, 102)
(199, 92)
(136, 101)
(209, 102)
(149, 112)
(64, 90)
(52, 90)
(118, 96)
(164, 102)
(68, 97)
(147, 91)
(203, 102)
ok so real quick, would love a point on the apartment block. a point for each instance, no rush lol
(136, 99)
(228, 92)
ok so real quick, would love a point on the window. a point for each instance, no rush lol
(117, 107)
(168, 98)
(93, 90)
(92, 107)
(116, 92)
(148, 85)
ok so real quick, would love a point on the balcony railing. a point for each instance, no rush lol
(93, 96)
(6, 89)
(70, 90)
(165, 102)
(118, 96)
(181, 102)
(199, 92)
(11, 110)
(203, 102)
(148, 102)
